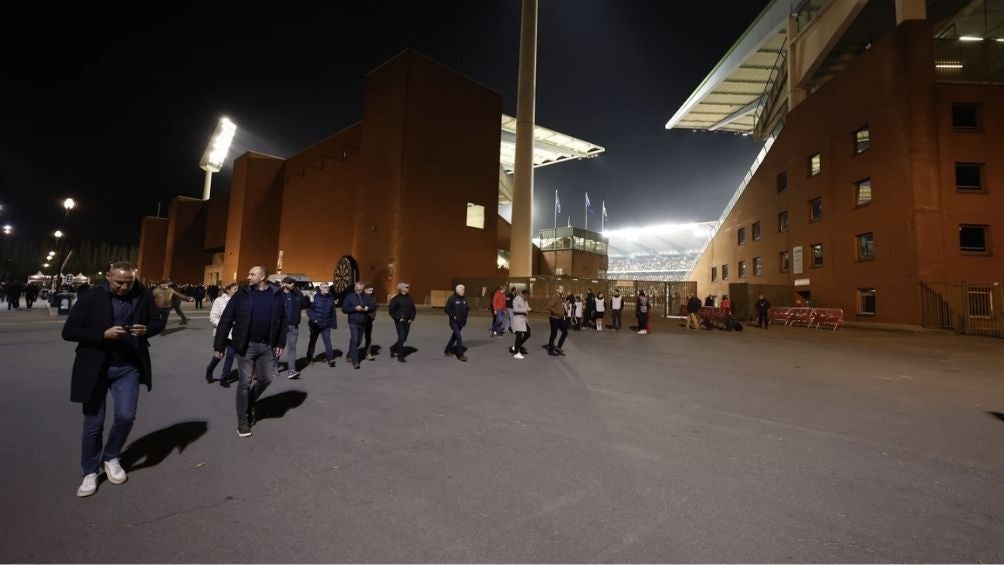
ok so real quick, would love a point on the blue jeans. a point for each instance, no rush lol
(456, 343)
(292, 333)
(325, 334)
(497, 324)
(123, 382)
(258, 361)
(356, 332)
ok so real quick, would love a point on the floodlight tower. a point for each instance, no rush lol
(216, 152)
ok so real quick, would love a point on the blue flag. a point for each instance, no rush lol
(557, 203)
(588, 205)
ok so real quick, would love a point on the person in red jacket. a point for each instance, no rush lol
(498, 312)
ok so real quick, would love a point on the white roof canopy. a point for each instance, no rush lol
(549, 146)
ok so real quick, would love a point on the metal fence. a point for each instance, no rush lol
(967, 308)
(666, 297)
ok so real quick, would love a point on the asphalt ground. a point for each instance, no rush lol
(787, 445)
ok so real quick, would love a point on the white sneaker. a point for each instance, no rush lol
(88, 486)
(116, 475)
(518, 356)
(641, 332)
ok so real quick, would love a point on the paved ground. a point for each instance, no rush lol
(788, 445)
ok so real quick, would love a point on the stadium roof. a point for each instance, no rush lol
(728, 98)
(549, 146)
(660, 239)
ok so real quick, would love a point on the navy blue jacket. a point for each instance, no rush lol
(456, 309)
(349, 307)
(402, 308)
(323, 311)
(300, 303)
(86, 325)
(237, 316)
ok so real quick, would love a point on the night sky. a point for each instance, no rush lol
(119, 117)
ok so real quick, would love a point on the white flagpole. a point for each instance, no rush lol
(556, 208)
(586, 207)
(603, 214)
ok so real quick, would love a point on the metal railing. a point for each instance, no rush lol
(966, 308)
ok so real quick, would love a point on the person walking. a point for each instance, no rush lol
(557, 317)
(322, 314)
(402, 311)
(498, 312)
(616, 309)
(762, 311)
(199, 294)
(642, 308)
(509, 307)
(520, 309)
(257, 317)
(370, 318)
(357, 305)
(600, 308)
(215, 313)
(456, 309)
(111, 327)
(693, 307)
(295, 303)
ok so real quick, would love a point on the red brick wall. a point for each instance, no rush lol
(185, 257)
(152, 244)
(253, 220)
(216, 221)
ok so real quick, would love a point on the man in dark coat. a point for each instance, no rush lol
(257, 316)
(111, 326)
(762, 311)
(322, 316)
(402, 311)
(358, 306)
(456, 309)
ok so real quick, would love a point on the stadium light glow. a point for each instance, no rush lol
(970, 38)
(8, 229)
(216, 152)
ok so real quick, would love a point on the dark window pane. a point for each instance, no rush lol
(866, 304)
(741, 236)
(725, 272)
(966, 117)
(756, 231)
(973, 238)
(968, 176)
(815, 209)
(757, 266)
(782, 221)
(862, 140)
(866, 247)
(817, 255)
(782, 182)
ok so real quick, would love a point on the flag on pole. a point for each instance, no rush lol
(588, 205)
(557, 203)
(604, 204)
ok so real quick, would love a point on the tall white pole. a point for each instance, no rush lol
(521, 252)
(205, 187)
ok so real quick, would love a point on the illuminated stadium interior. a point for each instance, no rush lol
(663, 252)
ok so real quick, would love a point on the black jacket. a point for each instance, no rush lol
(402, 308)
(762, 306)
(323, 310)
(300, 303)
(86, 325)
(352, 300)
(694, 305)
(456, 309)
(237, 316)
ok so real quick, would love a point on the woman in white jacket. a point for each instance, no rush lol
(520, 325)
(214, 317)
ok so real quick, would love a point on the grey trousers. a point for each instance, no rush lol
(258, 362)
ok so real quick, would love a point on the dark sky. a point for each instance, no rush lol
(119, 116)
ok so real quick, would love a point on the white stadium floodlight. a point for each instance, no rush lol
(216, 152)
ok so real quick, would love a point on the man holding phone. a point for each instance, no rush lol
(111, 325)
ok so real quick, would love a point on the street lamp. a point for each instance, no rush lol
(68, 204)
(8, 229)
(216, 152)
(58, 234)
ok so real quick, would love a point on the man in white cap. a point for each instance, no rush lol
(402, 311)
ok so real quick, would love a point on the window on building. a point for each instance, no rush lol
(475, 216)
(866, 301)
(714, 274)
(969, 177)
(741, 236)
(757, 266)
(725, 272)
(782, 221)
(742, 269)
(817, 255)
(965, 117)
(866, 246)
(862, 140)
(782, 182)
(815, 209)
(863, 192)
(756, 231)
(785, 261)
(815, 165)
(981, 304)
(973, 238)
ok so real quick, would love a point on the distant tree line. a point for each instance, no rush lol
(21, 259)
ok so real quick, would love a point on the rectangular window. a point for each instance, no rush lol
(862, 140)
(475, 216)
(972, 238)
(815, 209)
(817, 255)
(782, 182)
(782, 221)
(866, 301)
(785, 261)
(741, 236)
(714, 274)
(863, 192)
(757, 266)
(981, 304)
(756, 231)
(742, 269)
(866, 246)
(725, 272)
(965, 117)
(815, 165)
(969, 177)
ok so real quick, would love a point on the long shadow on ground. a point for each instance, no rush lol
(154, 447)
(277, 405)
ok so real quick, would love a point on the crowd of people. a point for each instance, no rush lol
(654, 267)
